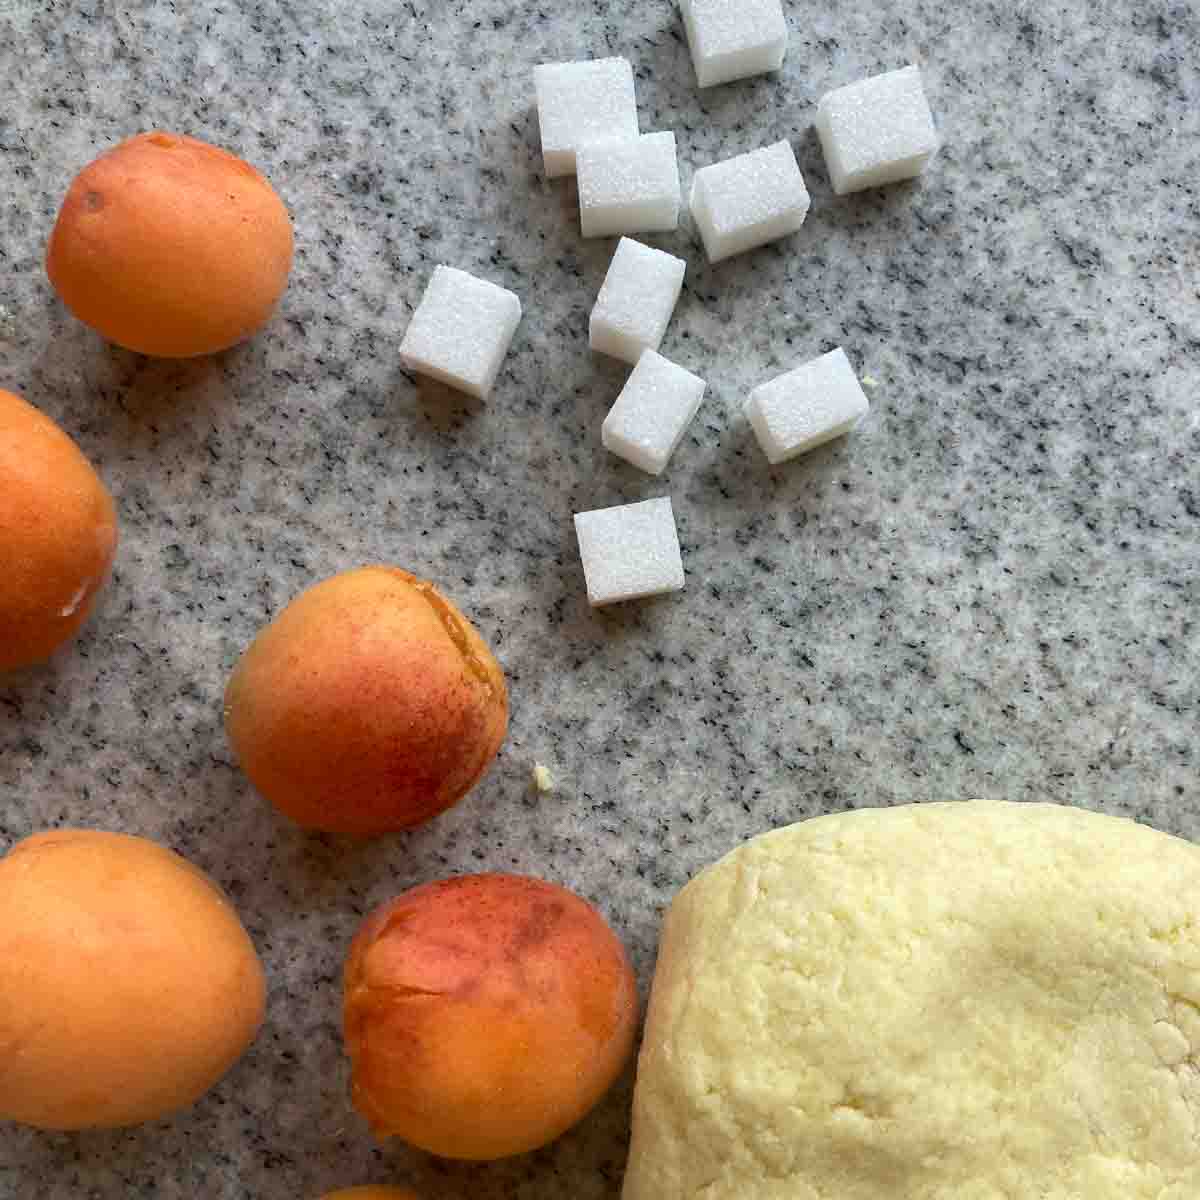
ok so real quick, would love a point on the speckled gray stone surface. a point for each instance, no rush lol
(991, 589)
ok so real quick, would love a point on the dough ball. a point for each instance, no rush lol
(58, 535)
(169, 246)
(485, 1014)
(934, 1002)
(369, 704)
(128, 986)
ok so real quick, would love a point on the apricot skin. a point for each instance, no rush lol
(485, 1015)
(370, 704)
(171, 247)
(128, 986)
(58, 535)
(372, 1192)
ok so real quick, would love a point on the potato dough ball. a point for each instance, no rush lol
(169, 246)
(128, 986)
(369, 704)
(58, 535)
(485, 1015)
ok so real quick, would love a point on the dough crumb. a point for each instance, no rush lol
(870, 381)
(542, 779)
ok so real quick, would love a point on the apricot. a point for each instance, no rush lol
(169, 246)
(369, 704)
(58, 535)
(372, 1192)
(128, 986)
(485, 1015)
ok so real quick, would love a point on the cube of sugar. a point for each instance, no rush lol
(628, 187)
(652, 412)
(814, 403)
(629, 551)
(581, 102)
(461, 331)
(876, 131)
(635, 304)
(747, 201)
(732, 39)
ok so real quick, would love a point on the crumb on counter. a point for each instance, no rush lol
(542, 779)
(870, 381)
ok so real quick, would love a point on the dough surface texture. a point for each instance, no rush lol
(967, 1001)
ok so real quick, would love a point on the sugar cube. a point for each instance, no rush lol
(747, 201)
(581, 102)
(629, 186)
(732, 39)
(461, 331)
(635, 304)
(876, 131)
(629, 551)
(814, 403)
(652, 412)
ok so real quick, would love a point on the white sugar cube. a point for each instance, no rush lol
(629, 551)
(652, 412)
(461, 331)
(628, 187)
(814, 403)
(876, 131)
(635, 304)
(581, 102)
(748, 201)
(732, 39)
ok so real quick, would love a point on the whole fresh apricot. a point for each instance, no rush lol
(128, 986)
(58, 535)
(485, 1015)
(372, 1192)
(169, 246)
(369, 704)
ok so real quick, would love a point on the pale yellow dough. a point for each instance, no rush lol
(972, 1001)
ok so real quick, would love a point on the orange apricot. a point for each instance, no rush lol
(128, 986)
(369, 704)
(58, 535)
(485, 1015)
(172, 247)
(372, 1192)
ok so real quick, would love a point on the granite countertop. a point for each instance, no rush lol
(991, 588)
